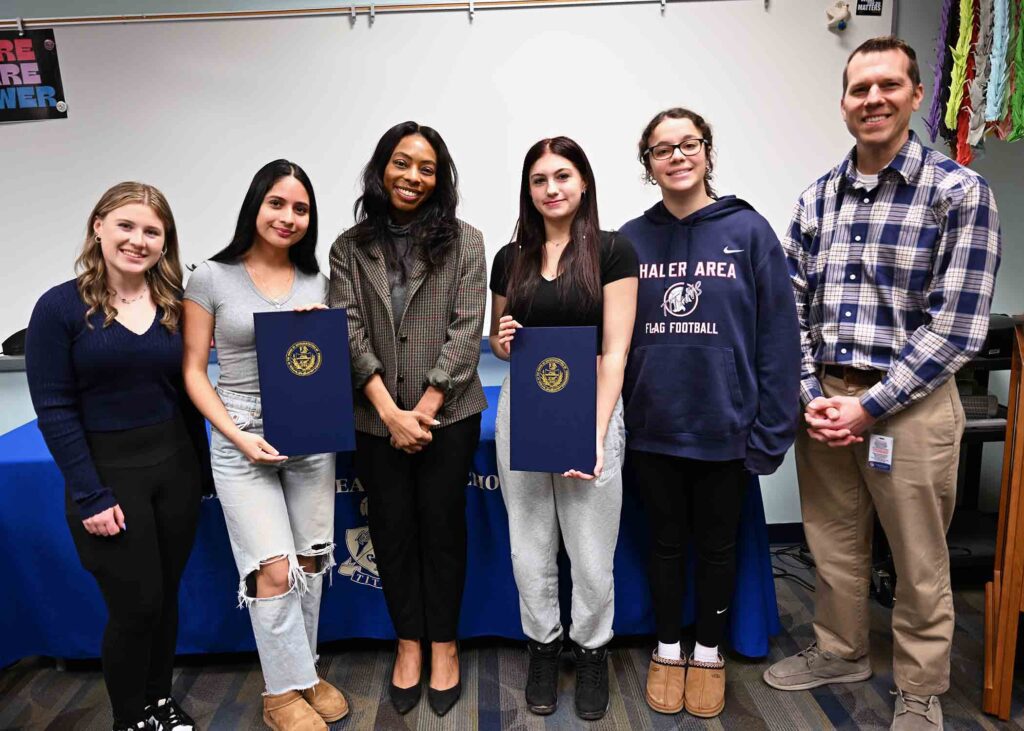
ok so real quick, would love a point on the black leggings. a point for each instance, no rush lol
(155, 476)
(417, 517)
(684, 497)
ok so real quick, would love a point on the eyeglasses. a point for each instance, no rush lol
(688, 147)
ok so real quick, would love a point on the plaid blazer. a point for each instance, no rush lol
(437, 342)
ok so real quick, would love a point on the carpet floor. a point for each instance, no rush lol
(223, 692)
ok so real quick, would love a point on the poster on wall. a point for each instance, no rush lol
(30, 86)
(869, 7)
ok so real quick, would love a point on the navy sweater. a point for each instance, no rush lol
(714, 365)
(100, 380)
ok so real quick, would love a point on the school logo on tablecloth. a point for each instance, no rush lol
(361, 565)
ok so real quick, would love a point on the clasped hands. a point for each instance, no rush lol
(838, 421)
(410, 430)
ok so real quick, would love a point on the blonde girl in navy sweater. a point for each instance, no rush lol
(103, 355)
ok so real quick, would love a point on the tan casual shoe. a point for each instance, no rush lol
(289, 712)
(916, 712)
(705, 687)
(813, 667)
(326, 700)
(665, 681)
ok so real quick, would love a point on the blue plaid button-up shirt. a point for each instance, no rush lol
(897, 279)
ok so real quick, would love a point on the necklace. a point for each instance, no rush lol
(136, 298)
(258, 281)
(557, 244)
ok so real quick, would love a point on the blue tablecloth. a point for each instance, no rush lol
(53, 607)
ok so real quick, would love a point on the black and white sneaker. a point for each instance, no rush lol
(166, 715)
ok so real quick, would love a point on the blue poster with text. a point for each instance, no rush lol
(30, 85)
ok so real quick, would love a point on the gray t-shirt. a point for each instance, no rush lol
(228, 293)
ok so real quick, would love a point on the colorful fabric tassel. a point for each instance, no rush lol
(982, 58)
(1017, 96)
(964, 153)
(935, 110)
(960, 55)
(999, 74)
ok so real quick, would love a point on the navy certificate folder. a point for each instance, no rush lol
(553, 382)
(305, 381)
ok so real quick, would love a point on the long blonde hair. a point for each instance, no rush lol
(163, 279)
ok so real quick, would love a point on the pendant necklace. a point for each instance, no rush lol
(125, 301)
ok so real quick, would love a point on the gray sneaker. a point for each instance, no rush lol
(916, 712)
(814, 667)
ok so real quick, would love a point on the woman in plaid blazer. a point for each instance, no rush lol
(412, 277)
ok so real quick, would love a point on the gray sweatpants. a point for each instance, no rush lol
(541, 505)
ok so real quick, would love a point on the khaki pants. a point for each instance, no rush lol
(839, 494)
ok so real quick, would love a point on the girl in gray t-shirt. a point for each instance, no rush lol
(279, 510)
(229, 293)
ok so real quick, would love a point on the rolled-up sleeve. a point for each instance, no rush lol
(343, 292)
(460, 355)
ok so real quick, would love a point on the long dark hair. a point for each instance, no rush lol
(580, 263)
(303, 252)
(434, 228)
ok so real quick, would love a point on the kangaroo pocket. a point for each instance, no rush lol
(683, 389)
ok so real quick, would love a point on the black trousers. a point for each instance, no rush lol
(155, 476)
(687, 497)
(417, 516)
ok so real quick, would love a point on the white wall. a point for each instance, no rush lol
(196, 108)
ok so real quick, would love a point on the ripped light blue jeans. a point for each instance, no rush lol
(275, 511)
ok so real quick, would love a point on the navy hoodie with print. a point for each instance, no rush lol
(714, 365)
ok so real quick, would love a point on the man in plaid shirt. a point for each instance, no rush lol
(893, 257)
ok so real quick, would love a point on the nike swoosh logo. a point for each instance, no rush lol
(727, 250)
(720, 611)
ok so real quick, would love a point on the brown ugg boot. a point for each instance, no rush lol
(665, 679)
(705, 687)
(326, 700)
(289, 711)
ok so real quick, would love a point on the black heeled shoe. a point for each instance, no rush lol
(441, 701)
(404, 699)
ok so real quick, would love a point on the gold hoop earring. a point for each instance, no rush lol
(96, 238)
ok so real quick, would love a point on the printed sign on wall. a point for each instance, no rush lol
(869, 7)
(30, 86)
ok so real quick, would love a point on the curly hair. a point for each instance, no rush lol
(706, 134)
(163, 279)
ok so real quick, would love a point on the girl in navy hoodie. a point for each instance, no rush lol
(711, 391)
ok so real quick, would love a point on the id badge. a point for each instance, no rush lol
(880, 452)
